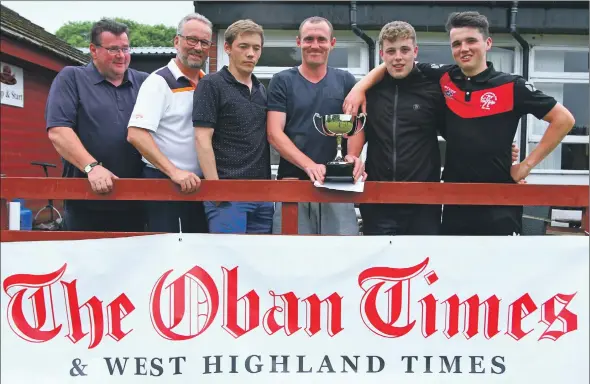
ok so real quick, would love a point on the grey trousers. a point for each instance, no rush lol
(321, 219)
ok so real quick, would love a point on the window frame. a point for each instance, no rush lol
(536, 138)
(556, 75)
(540, 77)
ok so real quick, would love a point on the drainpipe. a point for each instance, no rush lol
(525, 73)
(359, 32)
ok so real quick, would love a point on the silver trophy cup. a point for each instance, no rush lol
(340, 125)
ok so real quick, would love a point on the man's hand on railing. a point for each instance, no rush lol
(101, 179)
(188, 181)
(359, 167)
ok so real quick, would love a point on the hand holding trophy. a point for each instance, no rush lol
(339, 125)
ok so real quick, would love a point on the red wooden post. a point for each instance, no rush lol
(3, 210)
(3, 214)
(290, 219)
(586, 219)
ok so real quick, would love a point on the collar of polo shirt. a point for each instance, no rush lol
(177, 73)
(224, 71)
(97, 77)
(457, 74)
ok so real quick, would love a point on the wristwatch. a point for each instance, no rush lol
(89, 167)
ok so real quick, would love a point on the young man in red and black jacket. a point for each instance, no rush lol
(483, 108)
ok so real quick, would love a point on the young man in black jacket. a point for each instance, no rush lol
(404, 119)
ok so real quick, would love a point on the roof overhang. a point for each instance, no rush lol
(22, 37)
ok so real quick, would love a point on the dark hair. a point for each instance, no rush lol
(470, 19)
(107, 25)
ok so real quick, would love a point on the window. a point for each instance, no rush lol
(568, 156)
(562, 72)
(559, 61)
(575, 97)
(346, 57)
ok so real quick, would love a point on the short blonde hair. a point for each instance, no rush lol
(397, 30)
(316, 20)
(240, 27)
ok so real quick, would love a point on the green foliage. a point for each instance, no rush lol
(77, 33)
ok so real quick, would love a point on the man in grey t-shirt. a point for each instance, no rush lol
(294, 96)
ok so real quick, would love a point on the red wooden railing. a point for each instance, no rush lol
(290, 192)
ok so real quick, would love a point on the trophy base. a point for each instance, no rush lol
(340, 171)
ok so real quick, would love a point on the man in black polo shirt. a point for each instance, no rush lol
(86, 119)
(484, 107)
(229, 116)
(483, 110)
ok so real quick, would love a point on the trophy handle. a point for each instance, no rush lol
(314, 124)
(364, 117)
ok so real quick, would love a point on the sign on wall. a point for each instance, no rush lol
(11, 85)
(281, 309)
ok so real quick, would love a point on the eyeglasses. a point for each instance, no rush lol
(193, 41)
(114, 50)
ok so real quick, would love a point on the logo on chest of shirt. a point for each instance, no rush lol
(475, 103)
(448, 91)
(488, 99)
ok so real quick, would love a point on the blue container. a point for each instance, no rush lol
(26, 219)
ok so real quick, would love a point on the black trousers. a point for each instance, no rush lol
(164, 216)
(400, 219)
(477, 220)
(80, 219)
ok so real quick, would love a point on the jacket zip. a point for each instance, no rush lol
(395, 133)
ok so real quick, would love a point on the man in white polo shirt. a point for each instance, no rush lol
(161, 127)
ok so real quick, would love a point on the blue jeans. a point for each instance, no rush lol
(240, 217)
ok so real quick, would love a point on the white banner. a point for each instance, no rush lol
(280, 309)
(11, 85)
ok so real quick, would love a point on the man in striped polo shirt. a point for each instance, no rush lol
(161, 127)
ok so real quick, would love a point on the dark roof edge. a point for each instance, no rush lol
(45, 47)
